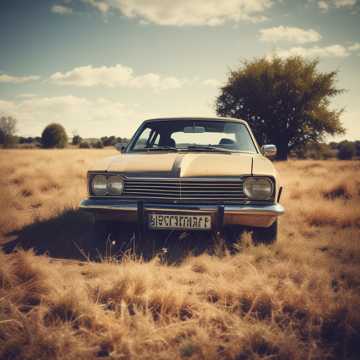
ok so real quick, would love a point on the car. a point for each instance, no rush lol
(188, 174)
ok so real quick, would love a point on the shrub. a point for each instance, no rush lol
(108, 140)
(26, 140)
(76, 140)
(315, 151)
(322, 152)
(357, 147)
(98, 145)
(346, 150)
(85, 145)
(54, 136)
(334, 145)
(8, 141)
(28, 146)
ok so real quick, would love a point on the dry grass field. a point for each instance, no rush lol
(296, 299)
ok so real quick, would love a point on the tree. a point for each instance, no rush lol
(108, 140)
(286, 102)
(316, 151)
(357, 147)
(98, 145)
(76, 140)
(84, 145)
(334, 145)
(54, 136)
(7, 131)
(346, 151)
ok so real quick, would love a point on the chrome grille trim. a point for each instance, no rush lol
(187, 189)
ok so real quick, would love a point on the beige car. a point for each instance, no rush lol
(189, 174)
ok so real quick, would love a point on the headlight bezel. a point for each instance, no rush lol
(98, 192)
(109, 190)
(255, 180)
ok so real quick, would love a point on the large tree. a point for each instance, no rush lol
(285, 101)
(7, 130)
(54, 136)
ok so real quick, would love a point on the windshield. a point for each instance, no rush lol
(193, 135)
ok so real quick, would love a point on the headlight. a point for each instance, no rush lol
(115, 185)
(99, 185)
(258, 188)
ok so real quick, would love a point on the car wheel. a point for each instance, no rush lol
(265, 235)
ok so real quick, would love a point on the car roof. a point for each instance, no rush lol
(187, 118)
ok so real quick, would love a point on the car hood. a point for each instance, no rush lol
(187, 164)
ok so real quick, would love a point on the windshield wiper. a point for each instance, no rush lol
(208, 149)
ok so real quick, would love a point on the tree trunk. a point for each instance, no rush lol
(282, 151)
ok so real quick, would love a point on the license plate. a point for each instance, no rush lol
(175, 221)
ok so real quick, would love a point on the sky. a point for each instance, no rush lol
(101, 67)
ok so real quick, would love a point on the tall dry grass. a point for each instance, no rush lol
(38, 184)
(297, 299)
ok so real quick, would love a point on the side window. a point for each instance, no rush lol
(147, 139)
(156, 139)
(143, 139)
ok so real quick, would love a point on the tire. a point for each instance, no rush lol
(265, 236)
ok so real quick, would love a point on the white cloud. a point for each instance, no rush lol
(188, 12)
(95, 117)
(316, 51)
(115, 76)
(291, 34)
(344, 3)
(212, 83)
(61, 9)
(354, 47)
(325, 5)
(99, 5)
(331, 51)
(4, 78)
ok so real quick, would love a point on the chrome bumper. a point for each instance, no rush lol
(132, 211)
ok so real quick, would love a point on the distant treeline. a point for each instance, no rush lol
(343, 150)
(77, 140)
(97, 143)
(53, 136)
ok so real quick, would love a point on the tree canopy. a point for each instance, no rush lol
(285, 101)
(7, 130)
(76, 140)
(54, 136)
(347, 150)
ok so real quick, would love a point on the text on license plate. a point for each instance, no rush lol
(175, 221)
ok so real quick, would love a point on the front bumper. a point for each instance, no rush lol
(222, 215)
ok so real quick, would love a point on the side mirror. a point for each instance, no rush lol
(120, 147)
(269, 150)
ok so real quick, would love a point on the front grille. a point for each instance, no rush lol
(186, 189)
